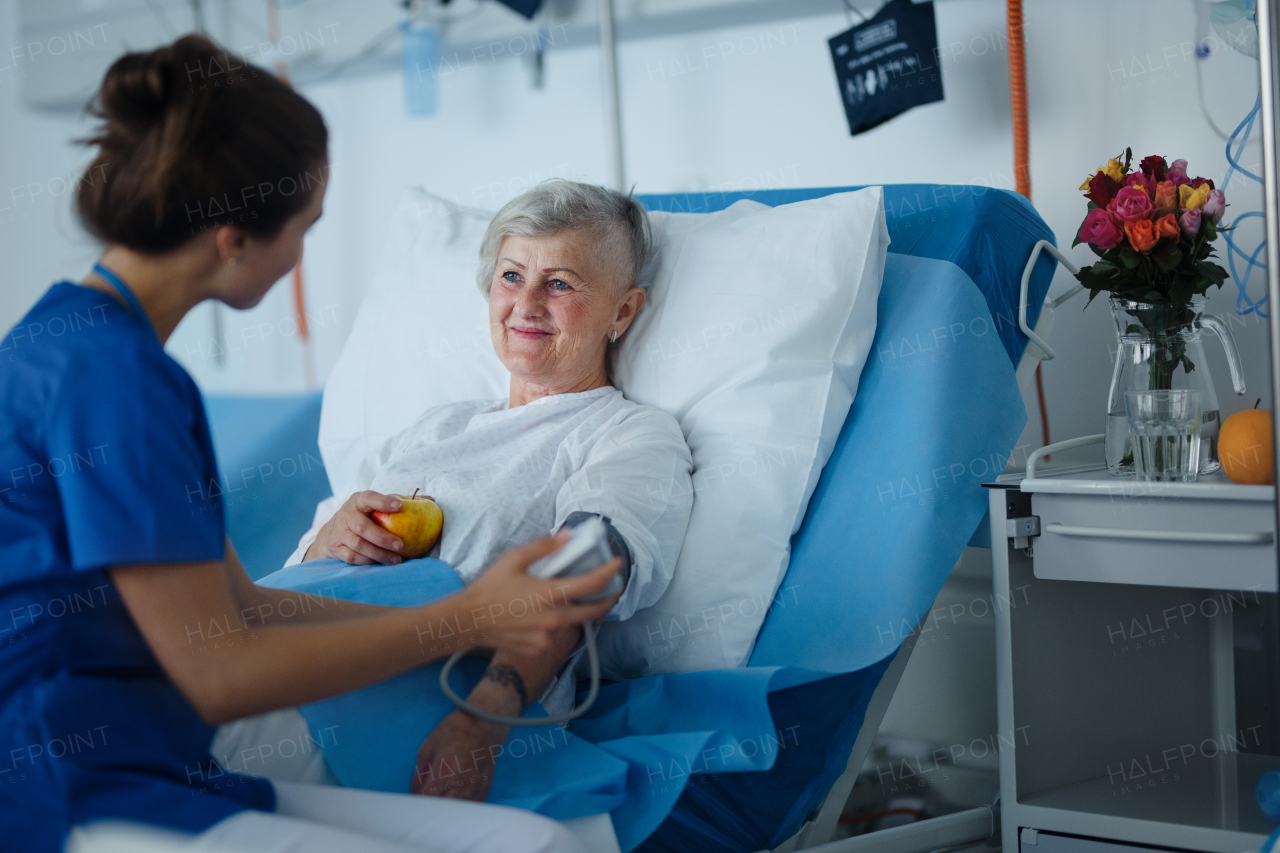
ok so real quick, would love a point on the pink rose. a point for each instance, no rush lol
(1215, 205)
(1100, 230)
(1177, 173)
(1131, 204)
(1190, 222)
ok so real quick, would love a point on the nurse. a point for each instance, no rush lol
(128, 626)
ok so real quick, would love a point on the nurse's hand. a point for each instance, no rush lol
(353, 537)
(521, 613)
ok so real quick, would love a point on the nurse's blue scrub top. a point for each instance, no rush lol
(105, 458)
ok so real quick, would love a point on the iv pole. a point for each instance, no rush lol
(612, 105)
(1268, 41)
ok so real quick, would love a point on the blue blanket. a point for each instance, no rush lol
(631, 756)
(936, 414)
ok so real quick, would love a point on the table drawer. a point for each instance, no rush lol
(1155, 540)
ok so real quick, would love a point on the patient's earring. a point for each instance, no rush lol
(613, 336)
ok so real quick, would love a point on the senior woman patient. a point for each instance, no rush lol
(559, 266)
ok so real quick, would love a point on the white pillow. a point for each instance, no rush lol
(757, 325)
(421, 338)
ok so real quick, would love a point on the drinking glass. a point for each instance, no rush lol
(1165, 431)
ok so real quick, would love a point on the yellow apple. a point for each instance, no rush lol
(418, 524)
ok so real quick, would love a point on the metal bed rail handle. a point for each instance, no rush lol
(1061, 445)
(1205, 537)
(1042, 246)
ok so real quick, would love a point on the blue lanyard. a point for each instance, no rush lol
(126, 294)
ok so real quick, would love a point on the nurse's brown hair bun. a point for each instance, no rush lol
(192, 138)
(135, 93)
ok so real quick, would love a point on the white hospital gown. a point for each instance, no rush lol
(504, 477)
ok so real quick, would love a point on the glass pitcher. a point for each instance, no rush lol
(1158, 348)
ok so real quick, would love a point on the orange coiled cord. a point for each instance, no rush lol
(299, 303)
(1021, 146)
(299, 286)
(1018, 96)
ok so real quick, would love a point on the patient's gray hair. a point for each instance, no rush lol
(618, 222)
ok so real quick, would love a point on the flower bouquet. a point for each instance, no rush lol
(1152, 230)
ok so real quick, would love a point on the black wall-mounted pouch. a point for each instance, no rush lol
(888, 64)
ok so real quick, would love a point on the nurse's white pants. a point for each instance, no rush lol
(319, 818)
(326, 819)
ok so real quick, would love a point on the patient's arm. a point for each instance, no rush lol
(640, 478)
(457, 758)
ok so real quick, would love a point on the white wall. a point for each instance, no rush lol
(772, 118)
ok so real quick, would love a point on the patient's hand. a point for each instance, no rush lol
(457, 759)
(353, 537)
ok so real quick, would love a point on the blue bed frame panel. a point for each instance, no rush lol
(271, 476)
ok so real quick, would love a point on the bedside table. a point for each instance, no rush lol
(1138, 676)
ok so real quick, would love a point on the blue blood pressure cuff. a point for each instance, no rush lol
(887, 65)
(617, 545)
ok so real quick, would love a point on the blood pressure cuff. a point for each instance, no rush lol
(617, 545)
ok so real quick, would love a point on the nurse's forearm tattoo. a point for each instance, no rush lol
(506, 675)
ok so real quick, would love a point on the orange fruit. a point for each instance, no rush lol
(1244, 447)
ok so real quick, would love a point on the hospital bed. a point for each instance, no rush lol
(958, 255)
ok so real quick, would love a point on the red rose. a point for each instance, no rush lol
(1102, 189)
(1196, 183)
(1142, 181)
(1100, 230)
(1154, 166)
(1130, 205)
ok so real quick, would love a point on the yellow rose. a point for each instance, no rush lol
(1190, 199)
(1112, 170)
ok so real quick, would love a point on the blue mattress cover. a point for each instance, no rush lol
(735, 759)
